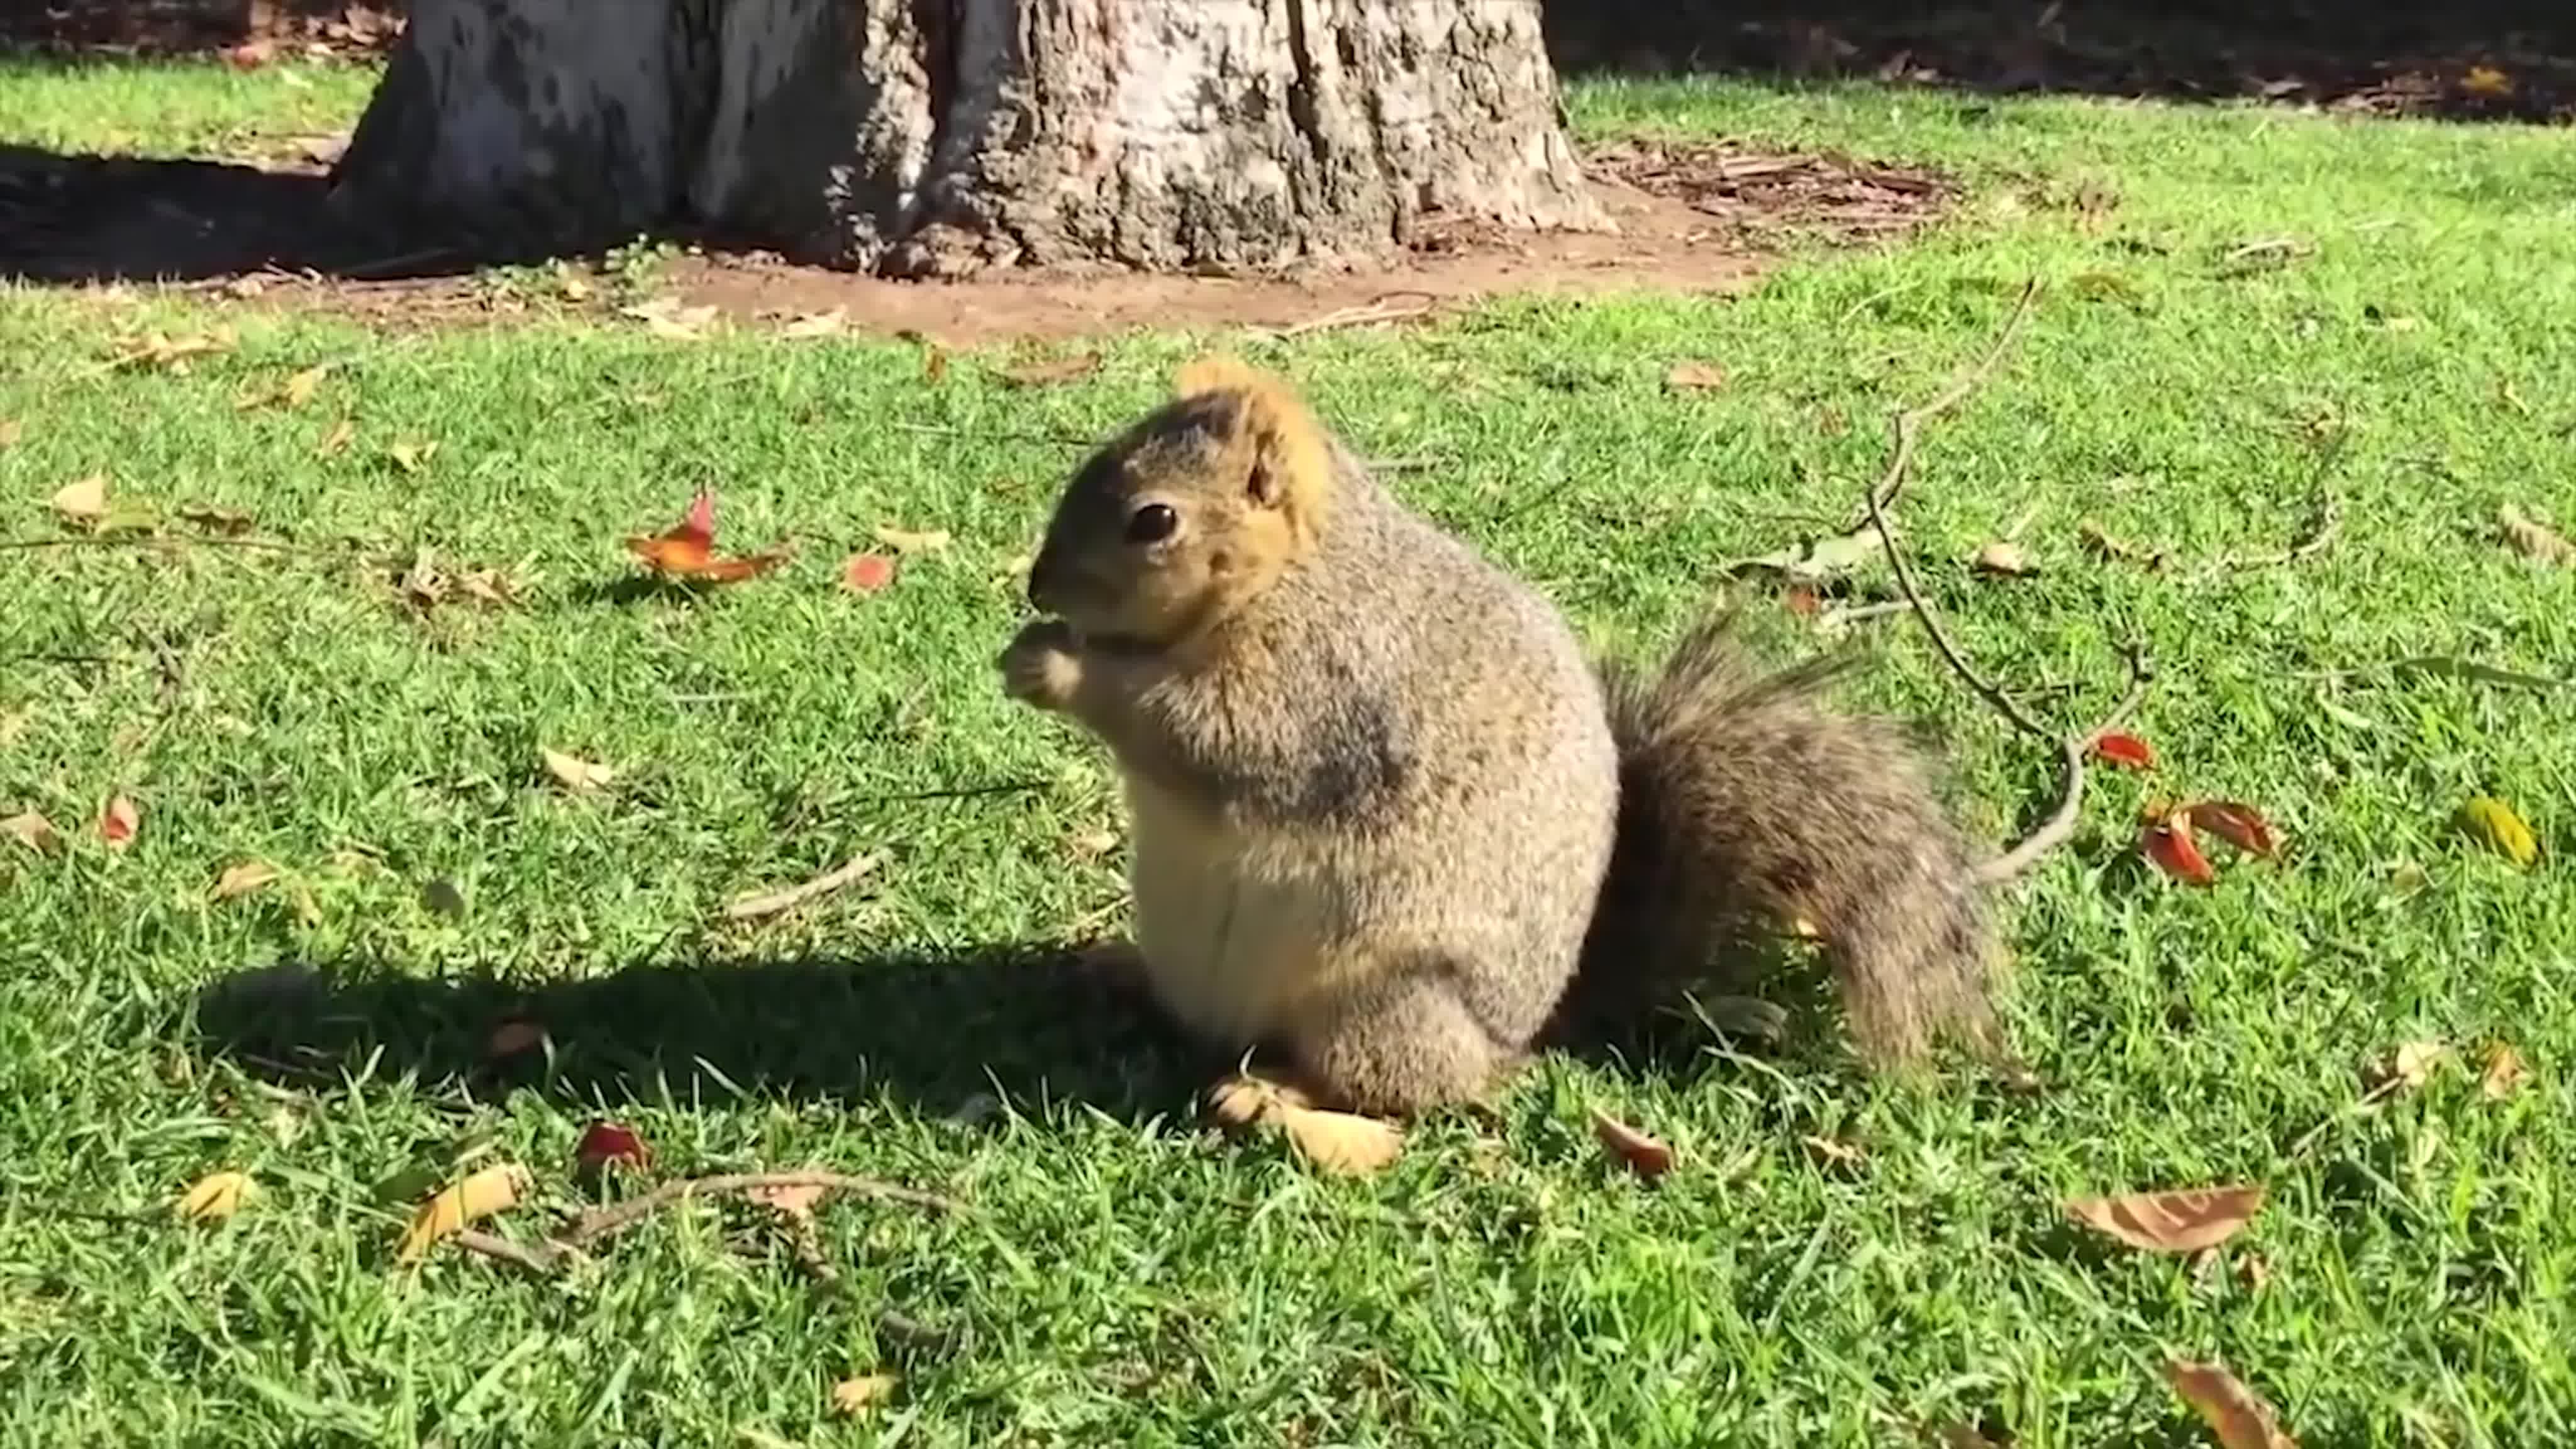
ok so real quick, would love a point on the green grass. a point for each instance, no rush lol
(1123, 1277)
(174, 108)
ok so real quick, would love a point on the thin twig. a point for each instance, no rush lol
(209, 540)
(2060, 823)
(602, 1222)
(952, 792)
(541, 1260)
(1384, 309)
(1910, 422)
(771, 903)
(2001, 702)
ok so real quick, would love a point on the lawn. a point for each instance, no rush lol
(2247, 313)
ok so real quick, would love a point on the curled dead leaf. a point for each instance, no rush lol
(84, 501)
(1831, 1151)
(118, 822)
(2504, 1072)
(2493, 824)
(2168, 844)
(2183, 1220)
(1335, 1142)
(337, 439)
(477, 1196)
(12, 431)
(2232, 1411)
(411, 455)
(2238, 824)
(793, 1199)
(2004, 560)
(243, 878)
(1695, 377)
(2118, 747)
(903, 541)
(687, 550)
(215, 1197)
(2414, 1062)
(853, 1396)
(1648, 1156)
(609, 1144)
(575, 773)
(2532, 538)
(33, 831)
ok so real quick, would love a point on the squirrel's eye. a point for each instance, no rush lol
(1152, 523)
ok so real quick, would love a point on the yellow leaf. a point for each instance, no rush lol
(84, 501)
(2504, 1073)
(2232, 1412)
(2414, 1062)
(576, 773)
(410, 456)
(2486, 80)
(1336, 1142)
(299, 389)
(216, 1196)
(11, 430)
(244, 878)
(2180, 1221)
(477, 1196)
(2533, 538)
(2492, 823)
(33, 831)
(929, 541)
(852, 1396)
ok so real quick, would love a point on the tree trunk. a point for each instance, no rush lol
(937, 137)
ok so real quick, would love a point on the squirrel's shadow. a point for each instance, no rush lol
(929, 1030)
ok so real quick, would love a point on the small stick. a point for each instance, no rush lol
(602, 1222)
(1384, 309)
(2060, 823)
(1910, 422)
(541, 1260)
(771, 903)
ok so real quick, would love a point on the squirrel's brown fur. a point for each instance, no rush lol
(1382, 806)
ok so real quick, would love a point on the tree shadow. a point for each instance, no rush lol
(932, 1031)
(2377, 57)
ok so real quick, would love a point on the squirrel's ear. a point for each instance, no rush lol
(1218, 372)
(1289, 462)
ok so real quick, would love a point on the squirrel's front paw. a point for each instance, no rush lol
(1040, 667)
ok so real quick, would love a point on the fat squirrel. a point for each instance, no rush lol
(1386, 816)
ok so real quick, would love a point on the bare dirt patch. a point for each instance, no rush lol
(1690, 219)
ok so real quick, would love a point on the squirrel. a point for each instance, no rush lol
(1387, 816)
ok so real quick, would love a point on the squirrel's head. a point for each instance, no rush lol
(1191, 513)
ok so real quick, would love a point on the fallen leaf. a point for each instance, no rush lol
(2168, 843)
(242, 879)
(2118, 747)
(2533, 538)
(118, 822)
(2487, 81)
(411, 456)
(1049, 373)
(853, 1396)
(2004, 560)
(2492, 823)
(795, 1199)
(667, 318)
(516, 1035)
(11, 431)
(215, 1197)
(84, 501)
(2504, 1073)
(901, 541)
(934, 365)
(2240, 825)
(33, 831)
(575, 772)
(172, 353)
(687, 550)
(1650, 1158)
(865, 573)
(1815, 560)
(2232, 1412)
(336, 439)
(1335, 1142)
(1831, 1150)
(1695, 377)
(2413, 1063)
(294, 392)
(2181, 1221)
(227, 521)
(478, 1196)
(606, 1144)
(574, 286)
(818, 324)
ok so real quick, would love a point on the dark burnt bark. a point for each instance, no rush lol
(935, 137)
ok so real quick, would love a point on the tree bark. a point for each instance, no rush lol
(939, 137)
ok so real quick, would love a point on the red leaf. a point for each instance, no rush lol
(118, 822)
(2168, 843)
(1649, 1157)
(700, 521)
(2117, 747)
(606, 1144)
(865, 573)
(688, 550)
(2239, 825)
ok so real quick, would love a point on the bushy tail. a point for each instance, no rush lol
(1747, 806)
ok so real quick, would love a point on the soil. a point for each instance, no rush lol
(1689, 219)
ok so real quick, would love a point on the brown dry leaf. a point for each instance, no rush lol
(215, 1197)
(2232, 1412)
(2003, 559)
(294, 392)
(1336, 1142)
(1695, 377)
(478, 1196)
(794, 1199)
(242, 879)
(11, 431)
(667, 318)
(33, 831)
(2184, 1220)
(2504, 1074)
(411, 456)
(2414, 1062)
(83, 502)
(336, 439)
(160, 350)
(118, 822)
(818, 324)
(1651, 1158)
(2534, 539)
(901, 541)
(576, 773)
(853, 1396)
(2487, 81)
(1049, 373)
(1831, 1150)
